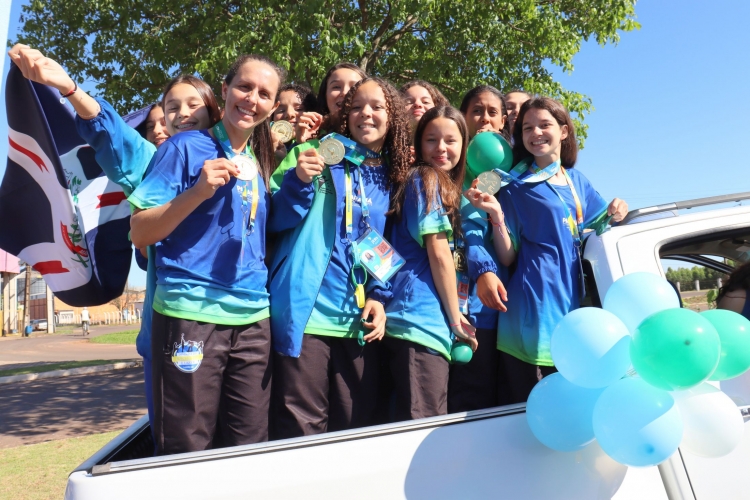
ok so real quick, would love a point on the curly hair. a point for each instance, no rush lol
(738, 280)
(397, 135)
(305, 94)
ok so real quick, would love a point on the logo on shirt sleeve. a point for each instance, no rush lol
(187, 355)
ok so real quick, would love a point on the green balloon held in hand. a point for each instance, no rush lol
(675, 349)
(487, 151)
(461, 353)
(734, 332)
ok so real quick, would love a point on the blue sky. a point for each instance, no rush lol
(671, 117)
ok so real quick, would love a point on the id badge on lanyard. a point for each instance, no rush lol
(462, 276)
(575, 226)
(371, 252)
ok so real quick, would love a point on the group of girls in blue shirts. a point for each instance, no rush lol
(315, 286)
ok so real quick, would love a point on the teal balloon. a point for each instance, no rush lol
(734, 334)
(559, 413)
(675, 349)
(591, 347)
(636, 296)
(637, 424)
(488, 151)
(461, 353)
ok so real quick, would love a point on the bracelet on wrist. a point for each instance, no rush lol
(75, 87)
(497, 224)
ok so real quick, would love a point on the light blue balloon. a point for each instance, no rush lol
(637, 424)
(636, 296)
(560, 413)
(591, 347)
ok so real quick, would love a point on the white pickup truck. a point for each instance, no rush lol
(481, 454)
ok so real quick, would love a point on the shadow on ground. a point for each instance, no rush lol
(65, 407)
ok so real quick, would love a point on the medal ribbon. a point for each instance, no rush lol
(538, 175)
(350, 217)
(221, 135)
(574, 225)
(355, 153)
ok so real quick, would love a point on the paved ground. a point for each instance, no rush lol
(16, 352)
(36, 411)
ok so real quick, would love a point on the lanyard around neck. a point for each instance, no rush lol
(221, 135)
(350, 203)
(575, 225)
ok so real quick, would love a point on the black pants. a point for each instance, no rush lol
(420, 378)
(473, 386)
(517, 378)
(332, 386)
(211, 384)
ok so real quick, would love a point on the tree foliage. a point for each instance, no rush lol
(687, 277)
(131, 48)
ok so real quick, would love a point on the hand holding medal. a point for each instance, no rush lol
(481, 200)
(247, 167)
(308, 125)
(486, 152)
(284, 130)
(214, 174)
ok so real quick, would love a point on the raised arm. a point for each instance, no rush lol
(40, 69)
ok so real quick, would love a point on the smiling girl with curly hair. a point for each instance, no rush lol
(326, 312)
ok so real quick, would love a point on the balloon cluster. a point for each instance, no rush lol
(634, 374)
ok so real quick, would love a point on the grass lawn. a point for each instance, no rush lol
(40, 471)
(65, 365)
(126, 337)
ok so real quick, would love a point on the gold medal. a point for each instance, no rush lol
(359, 293)
(489, 182)
(284, 129)
(332, 151)
(247, 166)
(459, 260)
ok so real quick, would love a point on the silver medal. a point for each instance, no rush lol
(332, 151)
(489, 182)
(247, 166)
(284, 129)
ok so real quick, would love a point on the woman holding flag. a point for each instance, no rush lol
(123, 152)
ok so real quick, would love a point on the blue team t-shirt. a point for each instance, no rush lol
(210, 268)
(335, 312)
(415, 313)
(545, 285)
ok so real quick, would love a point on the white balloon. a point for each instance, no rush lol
(636, 296)
(713, 425)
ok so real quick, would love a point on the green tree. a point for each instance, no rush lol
(131, 48)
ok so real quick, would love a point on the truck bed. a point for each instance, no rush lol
(481, 454)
